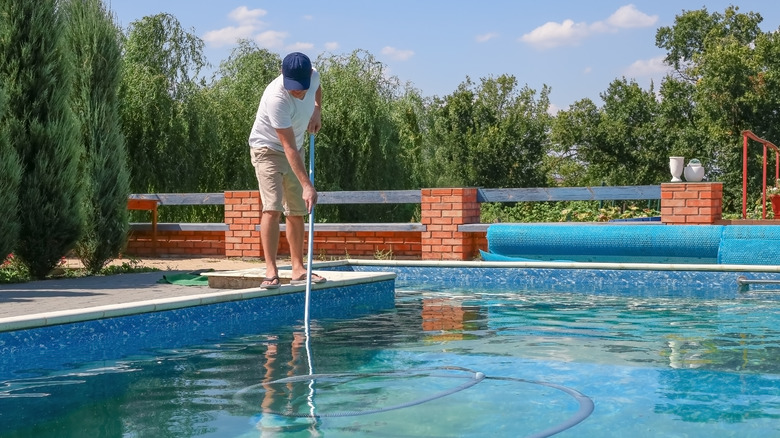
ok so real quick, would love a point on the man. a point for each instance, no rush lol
(290, 106)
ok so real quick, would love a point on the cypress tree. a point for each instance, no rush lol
(9, 186)
(94, 41)
(43, 131)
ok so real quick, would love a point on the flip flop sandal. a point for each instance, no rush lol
(270, 283)
(300, 281)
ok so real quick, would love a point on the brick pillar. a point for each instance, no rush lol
(242, 216)
(442, 211)
(691, 203)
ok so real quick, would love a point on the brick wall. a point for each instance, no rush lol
(401, 244)
(242, 216)
(442, 210)
(242, 240)
(177, 243)
(691, 203)
(341, 244)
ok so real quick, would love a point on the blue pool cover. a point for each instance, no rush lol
(725, 244)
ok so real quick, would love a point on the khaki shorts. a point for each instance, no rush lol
(280, 189)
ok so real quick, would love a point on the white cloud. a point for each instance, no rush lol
(244, 15)
(271, 39)
(587, 70)
(397, 54)
(553, 34)
(486, 37)
(629, 16)
(248, 21)
(569, 33)
(249, 26)
(332, 46)
(228, 35)
(647, 67)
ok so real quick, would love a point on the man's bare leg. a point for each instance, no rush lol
(295, 240)
(269, 234)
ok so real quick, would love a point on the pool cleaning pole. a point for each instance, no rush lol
(306, 327)
(306, 322)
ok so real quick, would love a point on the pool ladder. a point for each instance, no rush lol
(744, 284)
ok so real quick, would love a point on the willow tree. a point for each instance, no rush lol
(235, 93)
(358, 146)
(160, 71)
(95, 41)
(35, 70)
(410, 116)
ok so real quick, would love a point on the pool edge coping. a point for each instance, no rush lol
(46, 319)
(566, 265)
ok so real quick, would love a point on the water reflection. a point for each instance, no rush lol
(677, 333)
(279, 407)
(449, 319)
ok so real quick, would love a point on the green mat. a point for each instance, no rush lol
(188, 279)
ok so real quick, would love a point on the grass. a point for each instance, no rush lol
(384, 254)
(12, 270)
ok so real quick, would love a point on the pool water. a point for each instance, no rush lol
(652, 366)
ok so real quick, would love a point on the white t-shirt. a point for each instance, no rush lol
(278, 109)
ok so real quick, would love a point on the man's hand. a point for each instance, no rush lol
(315, 123)
(309, 197)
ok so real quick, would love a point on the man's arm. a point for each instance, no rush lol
(315, 123)
(287, 138)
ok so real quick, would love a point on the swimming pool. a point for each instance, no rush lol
(659, 353)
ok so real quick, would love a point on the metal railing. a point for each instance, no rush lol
(596, 193)
(750, 135)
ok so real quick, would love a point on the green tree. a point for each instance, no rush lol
(693, 31)
(95, 42)
(679, 119)
(36, 72)
(234, 95)
(617, 144)
(409, 113)
(358, 146)
(627, 149)
(572, 129)
(446, 142)
(731, 66)
(161, 65)
(491, 135)
(10, 174)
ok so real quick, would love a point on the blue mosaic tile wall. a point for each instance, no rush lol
(29, 353)
(694, 284)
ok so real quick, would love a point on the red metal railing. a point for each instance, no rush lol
(749, 134)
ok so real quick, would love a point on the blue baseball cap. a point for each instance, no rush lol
(296, 70)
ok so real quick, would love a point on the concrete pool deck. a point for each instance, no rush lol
(60, 301)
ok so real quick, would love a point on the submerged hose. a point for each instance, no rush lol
(476, 378)
(586, 405)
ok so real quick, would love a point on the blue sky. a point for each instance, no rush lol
(576, 47)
